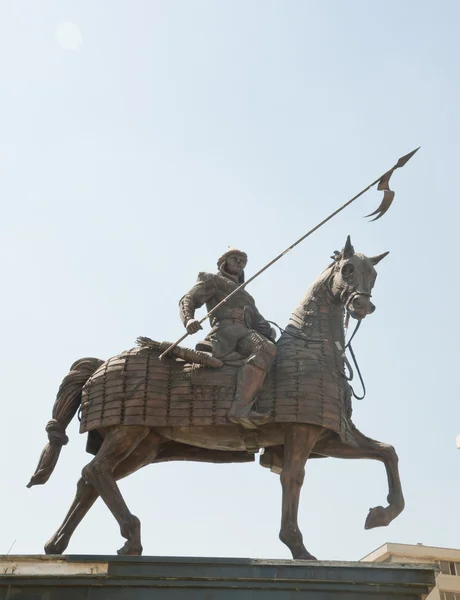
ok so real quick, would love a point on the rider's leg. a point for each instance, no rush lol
(261, 353)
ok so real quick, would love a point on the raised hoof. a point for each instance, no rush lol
(130, 549)
(377, 517)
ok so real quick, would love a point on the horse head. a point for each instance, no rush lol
(352, 279)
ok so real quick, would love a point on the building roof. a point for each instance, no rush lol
(412, 551)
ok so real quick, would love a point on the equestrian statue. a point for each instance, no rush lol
(237, 393)
(196, 405)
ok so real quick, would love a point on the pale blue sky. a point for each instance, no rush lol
(177, 128)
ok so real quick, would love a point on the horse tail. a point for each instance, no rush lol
(65, 407)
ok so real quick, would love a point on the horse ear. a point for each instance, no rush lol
(376, 259)
(348, 250)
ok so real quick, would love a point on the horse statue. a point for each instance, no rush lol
(139, 410)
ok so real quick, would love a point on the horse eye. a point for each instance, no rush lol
(347, 270)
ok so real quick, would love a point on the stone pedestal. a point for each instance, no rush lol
(169, 578)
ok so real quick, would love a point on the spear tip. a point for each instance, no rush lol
(406, 158)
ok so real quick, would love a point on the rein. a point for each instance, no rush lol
(299, 336)
(348, 346)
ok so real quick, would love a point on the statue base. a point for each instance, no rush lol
(168, 578)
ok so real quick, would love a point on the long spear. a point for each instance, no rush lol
(388, 196)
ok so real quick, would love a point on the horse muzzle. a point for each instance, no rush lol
(359, 306)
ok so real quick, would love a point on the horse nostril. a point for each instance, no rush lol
(362, 303)
(357, 302)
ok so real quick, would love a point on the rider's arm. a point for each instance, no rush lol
(200, 293)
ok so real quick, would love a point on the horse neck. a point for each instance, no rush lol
(319, 315)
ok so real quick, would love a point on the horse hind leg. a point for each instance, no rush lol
(84, 499)
(368, 448)
(299, 442)
(86, 495)
(118, 444)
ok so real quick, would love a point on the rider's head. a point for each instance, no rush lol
(233, 262)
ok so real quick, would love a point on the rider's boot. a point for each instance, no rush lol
(249, 382)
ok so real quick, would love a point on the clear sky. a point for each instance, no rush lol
(137, 141)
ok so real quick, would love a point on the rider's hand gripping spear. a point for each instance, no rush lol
(388, 195)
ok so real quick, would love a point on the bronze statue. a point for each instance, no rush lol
(239, 332)
(138, 410)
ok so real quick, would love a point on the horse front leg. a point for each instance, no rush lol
(378, 516)
(299, 441)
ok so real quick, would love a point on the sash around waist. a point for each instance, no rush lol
(235, 316)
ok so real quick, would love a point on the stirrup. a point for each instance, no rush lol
(251, 421)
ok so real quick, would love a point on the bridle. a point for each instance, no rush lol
(352, 293)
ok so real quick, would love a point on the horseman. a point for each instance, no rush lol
(239, 332)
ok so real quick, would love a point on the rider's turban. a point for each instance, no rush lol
(221, 261)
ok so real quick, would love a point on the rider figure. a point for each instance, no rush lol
(238, 331)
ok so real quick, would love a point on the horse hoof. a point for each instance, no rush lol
(130, 549)
(305, 556)
(377, 517)
(302, 554)
(57, 546)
